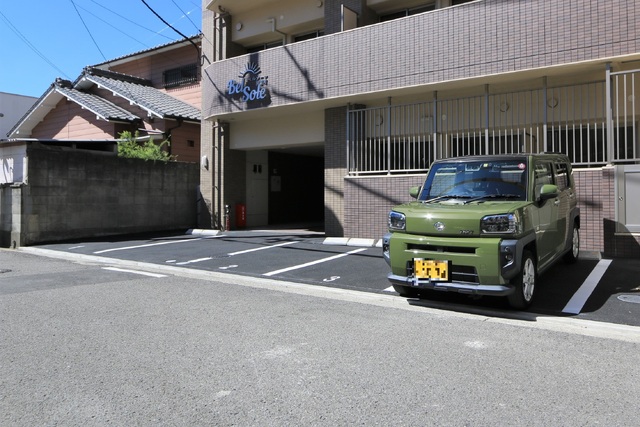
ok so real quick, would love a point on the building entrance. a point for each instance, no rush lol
(296, 189)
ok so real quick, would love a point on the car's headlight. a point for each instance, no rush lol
(505, 223)
(397, 221)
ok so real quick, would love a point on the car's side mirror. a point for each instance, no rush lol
(415, 191)
(548, 191)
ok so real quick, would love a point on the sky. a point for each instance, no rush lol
(45, 39)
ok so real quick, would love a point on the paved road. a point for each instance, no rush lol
(603, 290)
(89, 343)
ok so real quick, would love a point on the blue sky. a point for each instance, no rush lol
(43, 40)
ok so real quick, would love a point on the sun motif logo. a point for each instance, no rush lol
(251, 87)
(252, 70)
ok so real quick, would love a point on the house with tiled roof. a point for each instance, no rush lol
(61, 178)
(154, 92)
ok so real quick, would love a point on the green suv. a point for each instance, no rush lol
(485, 225)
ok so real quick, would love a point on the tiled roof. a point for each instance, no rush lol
(195, 38)
(101, 107)
(154, 101)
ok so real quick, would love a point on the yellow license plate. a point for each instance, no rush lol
(430, 269)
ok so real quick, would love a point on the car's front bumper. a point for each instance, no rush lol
(460, 287)
(479, 266)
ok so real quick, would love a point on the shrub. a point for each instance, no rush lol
(130, 147)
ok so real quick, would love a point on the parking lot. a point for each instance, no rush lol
(594, 289)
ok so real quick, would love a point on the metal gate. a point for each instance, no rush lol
(624, 115)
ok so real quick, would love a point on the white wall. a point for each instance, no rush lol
(13, 163)
(12, 108)
(278, 132)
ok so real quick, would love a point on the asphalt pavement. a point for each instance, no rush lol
(90, 342)
(593, 289)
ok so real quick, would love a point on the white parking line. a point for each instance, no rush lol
(193, 261)
(143, 273)
(147, 245)
(319, 261)
(260, 248)
(575, 304)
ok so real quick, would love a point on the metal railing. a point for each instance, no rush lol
(396, 139)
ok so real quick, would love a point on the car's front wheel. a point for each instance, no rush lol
(524, 283)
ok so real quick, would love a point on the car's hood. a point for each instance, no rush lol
(453, 217)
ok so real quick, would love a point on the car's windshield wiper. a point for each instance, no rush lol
(493, 196)
(446, 196)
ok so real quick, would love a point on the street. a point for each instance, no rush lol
(88, 342)
(603, 290)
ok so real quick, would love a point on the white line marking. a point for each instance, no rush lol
(194, 261)
(296, 267)
(389, 289)
(260, 248)
(579, 299)
(154, 244)
(144, 273)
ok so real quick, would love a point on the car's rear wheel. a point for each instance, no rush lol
(406, 291)
(524, 284)
(572, 256)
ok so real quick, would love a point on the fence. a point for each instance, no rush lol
(397, 139)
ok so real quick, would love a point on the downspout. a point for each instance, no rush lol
(167, 133)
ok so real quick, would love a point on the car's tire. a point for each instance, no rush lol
(406, 291)
(524, 283)
(572, 256)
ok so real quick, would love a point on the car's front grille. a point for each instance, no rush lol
(464, 273)
(434, 248)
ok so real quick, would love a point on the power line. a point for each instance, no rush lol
(187, 15)
(118, 29)
(87, 28)
(172, 27)
(32, 47)
(126, 19)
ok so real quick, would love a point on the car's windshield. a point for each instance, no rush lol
(476, 180)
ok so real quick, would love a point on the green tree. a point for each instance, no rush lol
(131, 148)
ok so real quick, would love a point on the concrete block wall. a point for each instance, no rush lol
(72, 194)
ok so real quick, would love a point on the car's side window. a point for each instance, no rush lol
(562, 176)
(543, 175)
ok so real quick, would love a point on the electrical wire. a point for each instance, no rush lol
(31, 46)
(120, 30)
(187, 15)
(126, 19)
(87, 28)
(172, 27)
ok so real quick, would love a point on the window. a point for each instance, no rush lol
(185, 75)
(407, 12)
(308, 36)
(543, 176)
(265, 46)
(562, 176)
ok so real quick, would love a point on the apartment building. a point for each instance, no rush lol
(329, 110)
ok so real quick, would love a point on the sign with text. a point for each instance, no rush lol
(251, 88)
